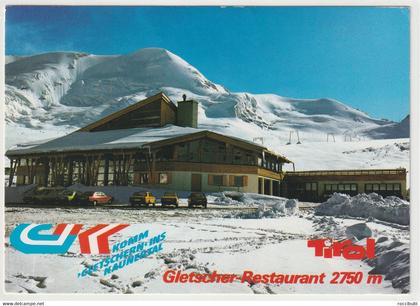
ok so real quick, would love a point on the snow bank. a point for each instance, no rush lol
(283, 207)
(225, 198)
(392, 256)
(392, 260)
(254, 199)
(246, 199)
(390, 209)
(267, 206)
(359, 231)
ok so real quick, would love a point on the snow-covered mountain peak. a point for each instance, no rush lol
(66, 90)
(151, 68)
(155, 55)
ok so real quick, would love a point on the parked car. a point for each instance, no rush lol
(197, 199)
(142, 198)
(35, 196)
(73, 196)
(95, 198)
(57, 195)
(169, 198)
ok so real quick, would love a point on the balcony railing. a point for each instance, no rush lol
(347, 172)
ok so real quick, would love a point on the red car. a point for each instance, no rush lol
(97, 197)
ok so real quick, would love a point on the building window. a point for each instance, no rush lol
(249, 159)
(163, 178)
(218, 180)
(382, 187)
(144, 178)
(311, 187)
(340, 188)
(239, 181)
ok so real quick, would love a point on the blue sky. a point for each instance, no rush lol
(359, 56)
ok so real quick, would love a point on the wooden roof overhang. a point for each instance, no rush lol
(247, 145)
(155, 145)
(280, 157)
(75, 153)
(124, 111)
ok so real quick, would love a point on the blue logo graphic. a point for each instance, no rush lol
(29, 239)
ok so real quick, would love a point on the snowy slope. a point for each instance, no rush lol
(71, 89)
(49, 95)
(11, 58)
(392, 130)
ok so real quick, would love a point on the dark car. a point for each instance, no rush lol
(197, 199)
(142, 198)
(36, 196)
(56, 195)
(169, 198)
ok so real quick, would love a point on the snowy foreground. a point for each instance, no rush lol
(224, 238)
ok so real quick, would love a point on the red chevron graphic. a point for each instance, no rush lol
(59, 229)
(101, 239)
(84, 238)
(74, 231)
(103, 244)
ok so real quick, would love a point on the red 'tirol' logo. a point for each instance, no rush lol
(328, 248)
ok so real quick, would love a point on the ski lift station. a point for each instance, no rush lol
(156, 144)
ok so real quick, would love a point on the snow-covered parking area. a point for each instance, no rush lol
(227, 240)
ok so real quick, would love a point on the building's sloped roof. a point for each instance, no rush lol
(103, 140)
(127, 139)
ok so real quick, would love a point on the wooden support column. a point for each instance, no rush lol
(114, 170)
(124, 176)
(79, 172)
(46, 171)
(125, 168)
(119, 171)
(11, 172)
(86, 171)
(148, 167)
(106, 170)
(96, 167)
(70, 172)
(53, 171)
(13, 165)
(154, 178)
(61, 165)
(30, 170)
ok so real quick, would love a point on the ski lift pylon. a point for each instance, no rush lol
(290, 138)
(297, 133)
